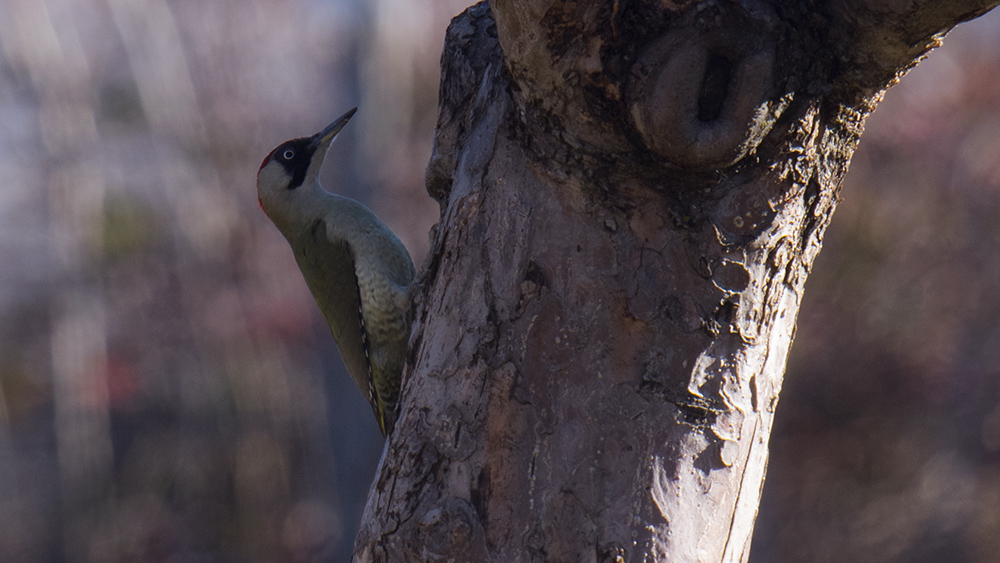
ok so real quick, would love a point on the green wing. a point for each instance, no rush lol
(328, 268)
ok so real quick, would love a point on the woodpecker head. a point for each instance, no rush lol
(294, 165)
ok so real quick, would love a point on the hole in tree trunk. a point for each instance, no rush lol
(714, 88)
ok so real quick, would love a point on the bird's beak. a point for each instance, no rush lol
(323, 139)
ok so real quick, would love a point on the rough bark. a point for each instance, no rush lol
(632, 196)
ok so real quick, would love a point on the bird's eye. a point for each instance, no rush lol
(288, 154)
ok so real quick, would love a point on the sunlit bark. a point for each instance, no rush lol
(632, 197)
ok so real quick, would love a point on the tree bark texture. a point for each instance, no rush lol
(632, 195)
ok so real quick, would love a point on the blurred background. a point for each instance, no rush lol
(169, 392)
(886, 445)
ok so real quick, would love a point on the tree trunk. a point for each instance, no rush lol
(632, 196)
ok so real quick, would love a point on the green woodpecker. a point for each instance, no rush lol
(357, 270)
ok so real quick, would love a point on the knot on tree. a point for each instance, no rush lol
(705, 98)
